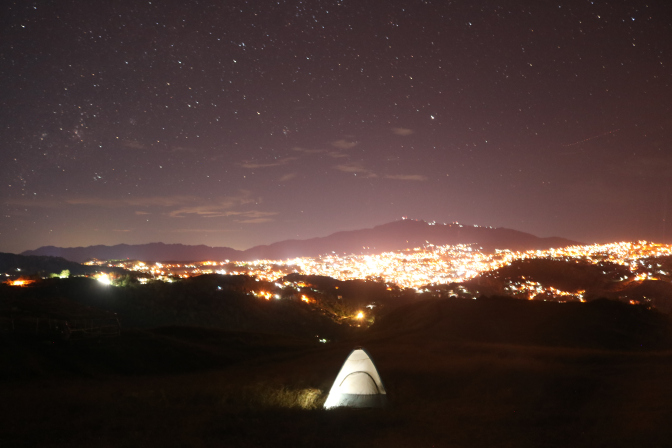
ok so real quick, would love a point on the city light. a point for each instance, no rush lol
(104, 279)
(418, 267)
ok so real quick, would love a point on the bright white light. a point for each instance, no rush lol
(104, 279)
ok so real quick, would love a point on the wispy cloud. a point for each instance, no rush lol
(287, 177)
(415, 177)
(402, 131)
(220, 211)
(214, 209)
(360, 170)
(337, 154)
(133, 144)
(309, 151)
(356, 168)
(255, 217)
(254, 214)
(255, 220)
(203, 230)
(278, 162)
(148, 201)
(343, 144)
(178, 206)
(205, 211)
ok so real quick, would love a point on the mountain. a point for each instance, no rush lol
(147, 252)
(397, 235)
(404, 234)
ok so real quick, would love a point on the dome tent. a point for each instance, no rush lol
(358, 384)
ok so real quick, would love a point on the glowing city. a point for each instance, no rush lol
(420, 266)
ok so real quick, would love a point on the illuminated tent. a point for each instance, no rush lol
(358, 384)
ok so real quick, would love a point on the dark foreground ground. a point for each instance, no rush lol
(195, 387)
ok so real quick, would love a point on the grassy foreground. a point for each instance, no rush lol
(196, 387)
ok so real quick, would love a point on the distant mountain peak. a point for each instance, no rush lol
(396, 235)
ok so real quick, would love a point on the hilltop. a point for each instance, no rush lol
(397, 235)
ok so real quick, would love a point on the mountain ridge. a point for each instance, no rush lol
(395, 235)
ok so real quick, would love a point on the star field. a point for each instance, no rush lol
(240, 123)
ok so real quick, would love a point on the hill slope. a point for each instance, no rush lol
(600, 324)
(13, 264)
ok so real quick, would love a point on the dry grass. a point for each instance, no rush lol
(441, 394)
(197, 388)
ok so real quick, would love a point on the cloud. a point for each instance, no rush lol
(255, 221)
(278, 162)
(343, 144)
(337, 154)
(416, 177)
(359, 170)
(178, 206)
(242, 198)
(133, 144)
(186, 205)
(205, 211)
(151, 201)
(183, 205)
(121, 230)
(255, 217)
(287, 177)
(255, 214)
(203, 230)
(214, 210)
(219, 211)
(356, 168)
(309, 151)
(402, 131)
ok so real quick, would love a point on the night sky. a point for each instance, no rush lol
(237, 123)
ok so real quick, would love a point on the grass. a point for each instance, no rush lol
(441, 394)
(456, 376)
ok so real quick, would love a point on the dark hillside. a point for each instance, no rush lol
(358, 293)
(565, 275)
(606, 280)
(215, 301)
(24, 265)
(159, 351)
(145, 252)
(649, 292)
(603, 324)
(531, 373)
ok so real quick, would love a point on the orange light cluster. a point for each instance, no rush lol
(264, 295)
(20, 282)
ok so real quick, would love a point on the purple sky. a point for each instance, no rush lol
(233, 123)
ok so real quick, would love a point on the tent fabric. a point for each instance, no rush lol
(358, 384)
